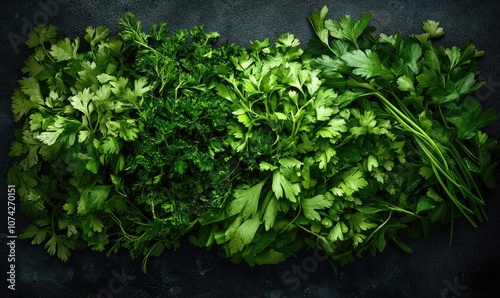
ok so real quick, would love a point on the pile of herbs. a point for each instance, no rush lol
(346, 144)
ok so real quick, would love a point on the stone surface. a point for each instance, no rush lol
(469, 268)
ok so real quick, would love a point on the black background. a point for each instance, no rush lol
(469, 268)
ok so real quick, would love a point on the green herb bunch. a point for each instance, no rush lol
(316, 165)
(428, 90)
(393, 148)
(181, 164)
(78, 114)
(347, 144)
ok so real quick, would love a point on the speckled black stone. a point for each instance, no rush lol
(469, 268)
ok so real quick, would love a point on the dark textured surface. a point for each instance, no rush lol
(469, 268)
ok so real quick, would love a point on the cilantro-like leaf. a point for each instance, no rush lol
(323, 104)
(282, 186)
(244, 234)
(41, 34)
(82, 102)
(93, 198)
(65, 50)
(337, 232)
(470, 117)
(310, 206)
(55, 244)
(269, 217)
(366, 64)
(358, 222)
(354, 179)
(317, 20)
(324, 157)
(432, 27)
(405, 84)
(31, 88)
(290, 162)
(21, 106)
(246, 200)
(346, 28)
(96, 35)
(333, 130)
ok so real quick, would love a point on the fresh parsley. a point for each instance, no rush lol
(348, 144)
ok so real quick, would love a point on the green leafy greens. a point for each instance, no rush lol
(427, 90)
(181, 165)
(79, 113)
(347, 144)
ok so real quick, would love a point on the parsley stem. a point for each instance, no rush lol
(451, 179)
(464, 169)
(468, 152)
(457, 203)
(310, 232)
(378, 228)
(120, 225)
(439, 168)
(47, 54)
(410, 123)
